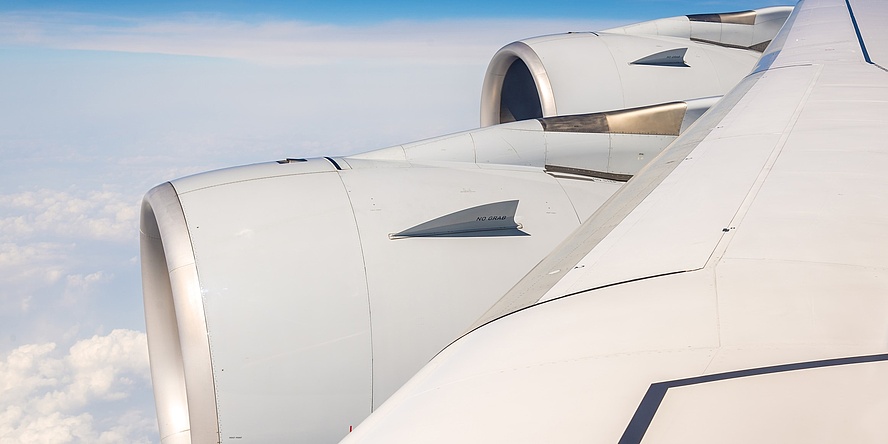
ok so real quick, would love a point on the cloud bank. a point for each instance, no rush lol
(91, 214)
(282, 41)
(46, 234)
(45, 395)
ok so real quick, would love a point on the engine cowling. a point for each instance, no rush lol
(288, 300)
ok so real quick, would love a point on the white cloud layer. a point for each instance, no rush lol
(39, 235)
(44, 397)
(94, 214)
(277, 41)
(25, 268)
(12, 254)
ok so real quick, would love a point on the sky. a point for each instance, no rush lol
(100, 101)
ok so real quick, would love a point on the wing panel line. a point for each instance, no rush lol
(655, 394)
(866, 55)
(859, 37)
(530, 289)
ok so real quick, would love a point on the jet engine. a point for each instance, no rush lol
(289, 299)
(659, 61)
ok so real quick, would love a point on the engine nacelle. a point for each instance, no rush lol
(288, 300)
(660, 61)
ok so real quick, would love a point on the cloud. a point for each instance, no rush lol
(44, 275)
(79, 285)
(280, 41)
(12, 254)
(24, 267)
(93, 214)
(46, 234)
(47, 398)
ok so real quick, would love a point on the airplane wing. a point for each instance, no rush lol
(734, 290)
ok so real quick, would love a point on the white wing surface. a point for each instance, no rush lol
(735, 290)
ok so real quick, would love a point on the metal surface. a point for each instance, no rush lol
(551, 270)
(614, 142)
(587, 173)
(181, 369)
(751, 247)
(305, 294)
(747, 30)
(664, 119)
(279, 308)
(655, 394)
(287, 306)
(671, 57)
(459, 276)
(585, 73)
(491, 92)
(737, 18)
(476, 221)
(869, 20)
(580, 123)
(758, 47)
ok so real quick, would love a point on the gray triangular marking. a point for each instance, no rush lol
(489, 219)
(672, 57)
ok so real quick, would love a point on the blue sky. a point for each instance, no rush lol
(100, 101)
(350, 11)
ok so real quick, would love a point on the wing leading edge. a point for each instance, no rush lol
(739, 280)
